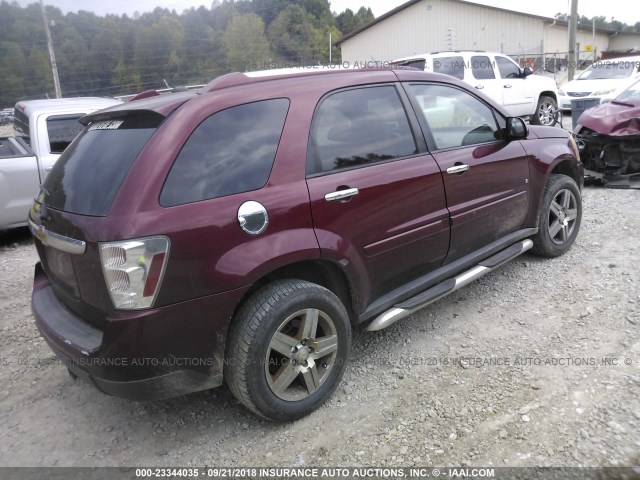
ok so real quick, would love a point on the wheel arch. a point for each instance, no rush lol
(563, 165)
(568, 167)
(326, 273)
(548, 93)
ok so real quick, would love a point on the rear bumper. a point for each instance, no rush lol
(142, 355)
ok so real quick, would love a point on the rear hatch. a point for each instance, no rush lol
(70, 211)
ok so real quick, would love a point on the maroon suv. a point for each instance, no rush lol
(239, 232)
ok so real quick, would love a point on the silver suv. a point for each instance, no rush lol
(497, 76)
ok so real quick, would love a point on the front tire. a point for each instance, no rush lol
(546, 112)
(287, 349)
(560, 217)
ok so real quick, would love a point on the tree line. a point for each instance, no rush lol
(118, 54)
(601, 22)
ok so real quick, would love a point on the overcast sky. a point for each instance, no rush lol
(624, 10)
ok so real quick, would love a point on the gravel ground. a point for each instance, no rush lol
(549, 376)
(536, 364)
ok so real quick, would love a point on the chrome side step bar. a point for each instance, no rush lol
(406, 308)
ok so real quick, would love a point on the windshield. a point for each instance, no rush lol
(631, 93)
(602, 71)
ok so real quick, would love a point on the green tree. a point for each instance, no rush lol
(348, 21)
(292, 35)
(39, 75)
(246, 45)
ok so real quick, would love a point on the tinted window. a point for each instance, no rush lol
(230, 152)
(415, 63)
(87, 175)
(507, 68)
(358, 127)
(62, 129)
(482, 68)
(21, 127)
(454, 117)
(453, 66)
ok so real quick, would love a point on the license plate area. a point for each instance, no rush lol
(59, 267)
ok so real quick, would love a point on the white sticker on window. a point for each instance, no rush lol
(110, 125)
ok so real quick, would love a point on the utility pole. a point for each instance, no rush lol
(52, 56)
(573, 23)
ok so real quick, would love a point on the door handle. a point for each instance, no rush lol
(479, 87)
(457, 169)
(507, 85)
(341, 194)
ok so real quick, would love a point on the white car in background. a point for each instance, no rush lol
(603, 80)
(496, 75)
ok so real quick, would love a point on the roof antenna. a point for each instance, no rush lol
(475, 42)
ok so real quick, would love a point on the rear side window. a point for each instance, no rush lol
(62, 129)
(231, 152)
(88, 174)
(359, 127)
(453, 66)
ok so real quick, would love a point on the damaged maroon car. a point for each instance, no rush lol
(609, 139)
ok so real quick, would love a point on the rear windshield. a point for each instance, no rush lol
(88, 174)
(418, 63)
(62, 130)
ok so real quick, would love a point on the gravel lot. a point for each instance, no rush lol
(536, 364)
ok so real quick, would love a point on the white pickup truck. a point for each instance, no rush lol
(43, 129)
(534, 97)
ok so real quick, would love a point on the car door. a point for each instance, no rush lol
(18, 186)
(377, 197)
(486, 179)
(517, 94)
(481, 75)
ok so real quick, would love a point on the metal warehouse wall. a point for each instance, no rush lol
(624, 41)
(557, 40)
(424, 27)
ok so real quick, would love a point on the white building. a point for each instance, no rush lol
(420, 26)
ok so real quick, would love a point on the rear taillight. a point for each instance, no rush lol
(133, 270)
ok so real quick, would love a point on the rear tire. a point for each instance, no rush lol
(287, 349)
(546, 112)
(560, 217)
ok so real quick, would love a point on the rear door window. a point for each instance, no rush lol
(358, 127)
(88, 174)
(231, 152)
(482, 68)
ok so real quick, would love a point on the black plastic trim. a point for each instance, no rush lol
(504, 256)
(415, 287)
(430, 295)
(65, 324)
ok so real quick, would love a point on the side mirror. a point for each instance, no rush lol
(516, 129)
(526, 71)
